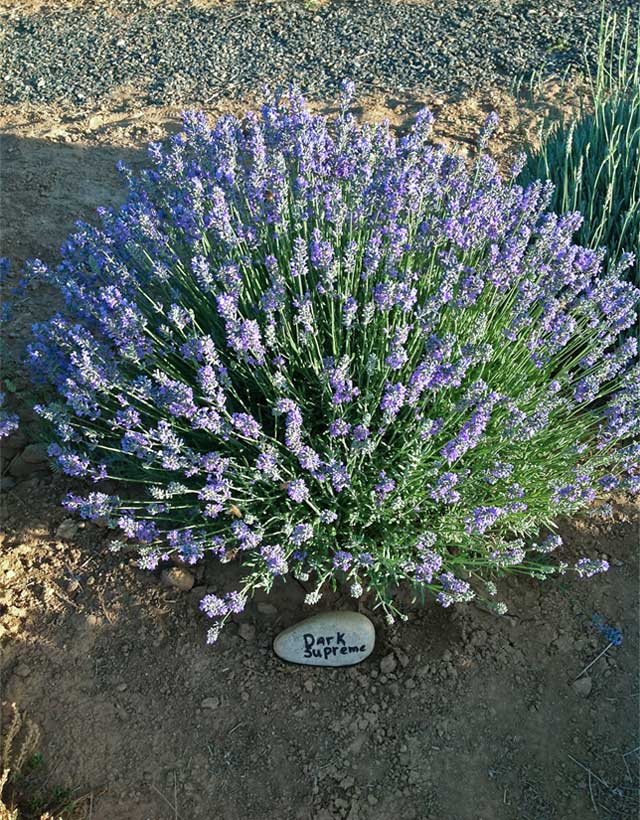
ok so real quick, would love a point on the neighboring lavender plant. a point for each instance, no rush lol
(324, 351)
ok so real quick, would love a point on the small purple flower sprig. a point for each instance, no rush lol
(612, 635)
(9, 422)
(317, 349)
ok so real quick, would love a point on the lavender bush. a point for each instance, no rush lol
(320, 350)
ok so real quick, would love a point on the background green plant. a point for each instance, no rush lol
(593, 157)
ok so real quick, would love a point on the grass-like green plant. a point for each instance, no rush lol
(593, 157)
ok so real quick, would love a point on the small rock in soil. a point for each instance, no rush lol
(178, 578)
(267, 609)
(67, 529)
(35, 453)
(6, 483)
(328, 639)
(247, 632)
(22, 670)
(583, 686)
(210, 703)
(19, 468)
(388, 664)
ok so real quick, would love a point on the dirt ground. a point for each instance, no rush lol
(480, 718)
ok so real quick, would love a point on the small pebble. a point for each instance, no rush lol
(583, 686)
(178, 578)
(6, 483)
(210, 703)
(247, 632)
(388, 664)
(35, 454)
(67, 529)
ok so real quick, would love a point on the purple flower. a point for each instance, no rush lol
(550, 543)
(341, 385)
(444, 489)
(587, 567)
(235, 602)
(93, 506)
(275, 559)
(342, 560)
(384, 487)
(360, 433)
(301, 533)
(245, 338)
(8, 421)
(216, 494)
(309, 460)
(453, 590)
(608, 483)
(247, 538)
(508, 557)
(349, 312)
(392, 401)
(298, 491)
(469, 435)
(580, 492)
(213, 606)
(246, 425)
(299, 258)
(339, 428)
(328, 516)
(267, 464)
(339, 476)
(482, 519)
(498, 471)
(430, 564)
(611, 634)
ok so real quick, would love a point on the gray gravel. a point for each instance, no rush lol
(184, 55)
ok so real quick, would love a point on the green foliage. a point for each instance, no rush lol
(593, 158)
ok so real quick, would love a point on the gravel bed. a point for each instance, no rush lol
(184, 54)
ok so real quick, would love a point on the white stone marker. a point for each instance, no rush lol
(327, 639)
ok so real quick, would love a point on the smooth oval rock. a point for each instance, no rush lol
(327, 639)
